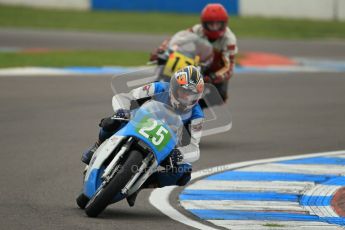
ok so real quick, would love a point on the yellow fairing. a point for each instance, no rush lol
(177, 61)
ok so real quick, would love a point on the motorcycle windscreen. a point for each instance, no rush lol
(217, 114)
(192, 45)
(186, 48)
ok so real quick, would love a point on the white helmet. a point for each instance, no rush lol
(186, 88)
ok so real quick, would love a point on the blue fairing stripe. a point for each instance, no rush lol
(91, 185)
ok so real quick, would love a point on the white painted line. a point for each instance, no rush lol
(294, 187)
(322, 190)
(159, 198)
(243, 205)
(264, 225)
(321, 211)
(298, 168)
(221, 168)
(32, 71)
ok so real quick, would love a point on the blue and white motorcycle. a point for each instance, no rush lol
(122, 164)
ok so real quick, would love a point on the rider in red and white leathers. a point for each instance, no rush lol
(213, 27)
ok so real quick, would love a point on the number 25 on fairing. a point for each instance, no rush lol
(156, 133)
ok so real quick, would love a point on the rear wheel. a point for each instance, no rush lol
(105, 195)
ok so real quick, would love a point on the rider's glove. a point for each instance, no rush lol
(175, 157)
(122, 113)
(162, 57)
(213, 78)
(207, 79)
(229, 75)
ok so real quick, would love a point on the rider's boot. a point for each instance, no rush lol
(87, 155)
(148, 184)
(131, 199)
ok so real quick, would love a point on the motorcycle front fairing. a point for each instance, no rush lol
(192, 45)
(96, 167)
(154, 124)
(157, 126)
(185, 48)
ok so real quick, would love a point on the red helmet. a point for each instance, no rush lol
(214, 19)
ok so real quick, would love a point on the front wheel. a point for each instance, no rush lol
(104, 197)
(82, 200)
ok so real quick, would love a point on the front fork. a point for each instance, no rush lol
(147, 168)
(110, 170)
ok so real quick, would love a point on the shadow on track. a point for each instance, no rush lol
(124, 214)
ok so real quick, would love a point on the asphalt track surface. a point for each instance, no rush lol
(46, 122)
(26, 38)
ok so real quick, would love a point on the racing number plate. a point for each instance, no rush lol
(176, 62)
(156, 133)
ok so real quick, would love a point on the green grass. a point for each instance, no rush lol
(159, 23)
(274, 225)
(73, 58)
(150, 23)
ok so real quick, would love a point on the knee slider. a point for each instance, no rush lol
(186, 175)
(185, 178)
